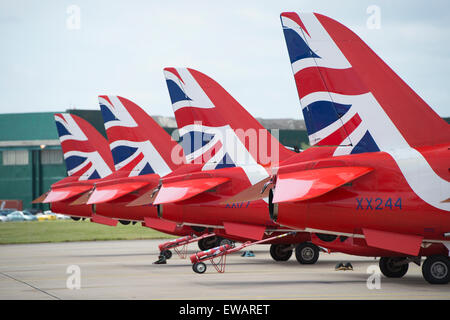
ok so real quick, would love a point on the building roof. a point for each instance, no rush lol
(27, 126)
(28, 129)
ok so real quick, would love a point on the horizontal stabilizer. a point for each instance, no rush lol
(82, 199)
(160, 225)
(185, 189)
(103, 220)
(107, 193)
(41, 198)
(308, 184)
(255, 232)
(145, 199)
(65, 193)
(255, 192)
(397, 242)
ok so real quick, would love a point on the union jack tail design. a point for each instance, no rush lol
(138, 144)
(86, 152)
(215, 129)
(350, 98)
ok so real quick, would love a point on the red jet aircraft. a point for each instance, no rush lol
(380, 174)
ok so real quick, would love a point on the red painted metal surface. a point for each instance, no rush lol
(185, 189)
(308, 184)
(111, 192)
(60, 194)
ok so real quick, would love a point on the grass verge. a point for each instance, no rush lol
(69, 230)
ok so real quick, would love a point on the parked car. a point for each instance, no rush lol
(32, 211)
(51, 215)
(3, 218)
(5, 212)
(31, 216)
(42, 216)
(47, 215)
(18, 216)
(62, 216)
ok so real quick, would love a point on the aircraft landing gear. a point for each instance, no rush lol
(394, 267)
(281, 252)
(167, 254)
(223, 241)
(436, 269)
(207, 243)
(306, 253)
(163, 257)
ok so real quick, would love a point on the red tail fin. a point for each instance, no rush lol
(138, 143)
(349, 96)
(86, 151)
(204, 110)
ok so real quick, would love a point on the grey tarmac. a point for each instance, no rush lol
(125, 270)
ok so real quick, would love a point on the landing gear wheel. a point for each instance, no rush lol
(76, 218)
(280, 252)
(199, 267)
(436, 269)
(167, 254)
(224, 241)
(306, 253)
(207, 243)
(392, 267)
(161, 259)
(125, 222)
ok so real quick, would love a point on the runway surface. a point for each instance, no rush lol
(124, 270)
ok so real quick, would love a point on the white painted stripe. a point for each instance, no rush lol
(72, 127)
(120, 112)
(192, 89)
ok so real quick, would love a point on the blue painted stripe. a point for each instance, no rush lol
(121, 153)
(74, 161)
(297, 47)
(62, 130)
(194, 140)
(175, 92)
(366, 144)
(107, 114)
(226, 162)
(320, 114)
(147, 170)
(94, 175)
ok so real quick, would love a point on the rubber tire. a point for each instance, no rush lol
(388, 271)
(277, 254)
(199, 267)
(76, 218)
(207, 243)
(224, 241)
(125, 222)
(167, 254)
(307, 246)
(427, 266)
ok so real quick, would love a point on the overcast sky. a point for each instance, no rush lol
(121, 48)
